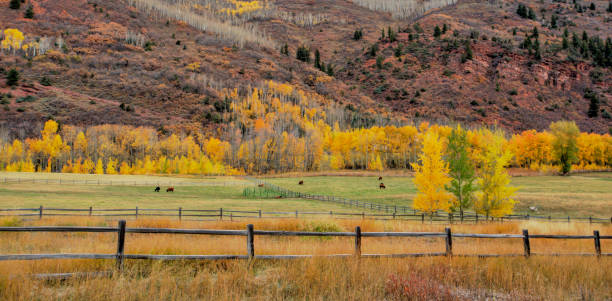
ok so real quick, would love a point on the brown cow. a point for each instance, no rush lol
(170, 189)
(382, 186)
(279, 197)
(260, 185)
(301, 183)
(380, 178)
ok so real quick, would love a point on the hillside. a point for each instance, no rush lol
(166, 64)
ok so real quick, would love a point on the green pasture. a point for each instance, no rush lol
(576, 195)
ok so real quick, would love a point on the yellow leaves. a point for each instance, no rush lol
(12, 39)
(111, 168)
(241, 7)
(375, 163)
(193, 67)
(80, 143)
(531, 148)
(99, 167)
(495, 197)
(431, 176)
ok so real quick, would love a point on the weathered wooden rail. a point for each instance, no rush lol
(121, 230)
(229, 214)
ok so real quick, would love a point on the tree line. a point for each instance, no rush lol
(277, 128)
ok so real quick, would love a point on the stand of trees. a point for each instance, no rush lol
(277, 128)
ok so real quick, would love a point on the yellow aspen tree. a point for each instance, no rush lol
(67, 168)
(80, 144)
(99, 167)
(111, 168)
(125, 169)
(88, 166)
(495, 197)
(375, 163)
(431, 177)
(12, 39)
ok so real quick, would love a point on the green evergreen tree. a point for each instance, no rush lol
(29, 13)
(12, 78)
(317, 61)
(531, 15)
(15, 4)
(437, 32)
(461, 170)
(593, 104)
(303, 54)
(536, 49)
(391, 35)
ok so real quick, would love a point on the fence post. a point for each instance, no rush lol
(331, 213)
(476, 221)
(120, 244)
(220, 214)
(296, 214)
(590, 220)
(259, 213)
(526, 245)
(449, 242)
(422, 218)
(136, 212)
(358, 241)
(250, 244)
(393, 214)
(597, 243)
(90, 210)
(568, 219)
(180, 213)
(362, 215)
(40, 212)
(450, 218)
(231, 216)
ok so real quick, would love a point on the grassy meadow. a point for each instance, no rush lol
(128, 195)
(579, 195)
(457, 278)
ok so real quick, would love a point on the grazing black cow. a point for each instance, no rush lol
(380, 178)
(157, 189)
(301, 183)
(382, 186)
(170, 189)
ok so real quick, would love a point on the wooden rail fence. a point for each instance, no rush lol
(229, 214)
(119, 256)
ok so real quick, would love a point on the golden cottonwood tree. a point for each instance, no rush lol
(431, 177)
(495, 195)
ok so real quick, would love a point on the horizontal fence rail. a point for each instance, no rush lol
(230, 214)
(398, 210)
(250, 233)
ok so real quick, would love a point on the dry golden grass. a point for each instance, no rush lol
(514, 278)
